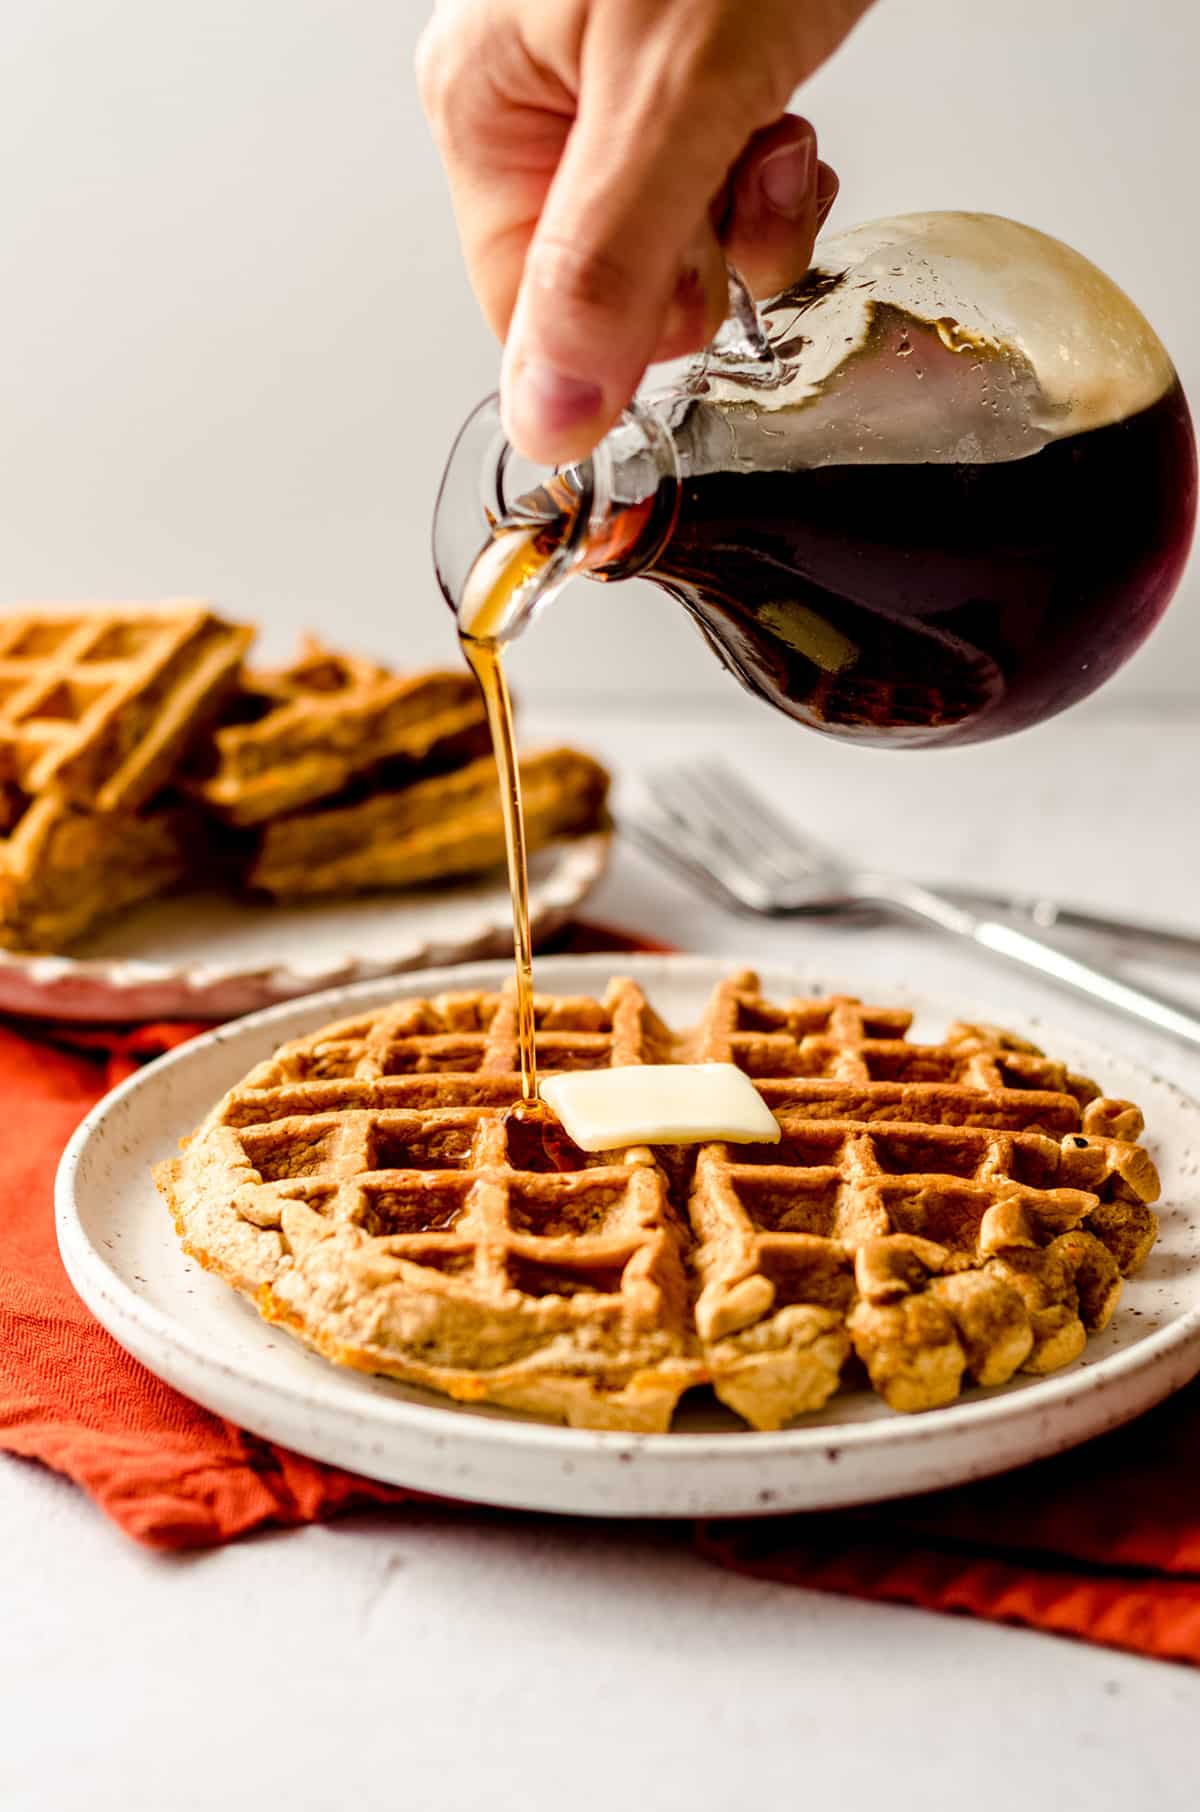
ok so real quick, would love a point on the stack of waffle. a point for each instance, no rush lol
(934, 1215)
(342, 776)
(136, 751)
(96, 711)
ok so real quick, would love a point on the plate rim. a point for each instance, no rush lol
(90, 1273)
(110, 986)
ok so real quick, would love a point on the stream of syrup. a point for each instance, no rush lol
(508, 564)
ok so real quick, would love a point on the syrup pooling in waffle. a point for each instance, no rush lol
(933, 1215)
(101, 704)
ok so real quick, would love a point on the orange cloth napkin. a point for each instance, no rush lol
(1103, 1543)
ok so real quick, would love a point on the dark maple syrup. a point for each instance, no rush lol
(910, 604)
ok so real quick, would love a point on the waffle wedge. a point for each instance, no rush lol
(306, 732)
(933, 1214)
(64, 868)
(447, 826)
(370, 1189)
(950, 1213)
(100, 703)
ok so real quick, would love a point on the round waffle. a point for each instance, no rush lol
(933, 1214)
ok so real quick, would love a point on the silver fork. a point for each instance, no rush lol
(705, 821)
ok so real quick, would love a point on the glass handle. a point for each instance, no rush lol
(742, 339)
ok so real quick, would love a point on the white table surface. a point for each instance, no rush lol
(442, 1664)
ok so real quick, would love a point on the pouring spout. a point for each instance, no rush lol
(507, 534)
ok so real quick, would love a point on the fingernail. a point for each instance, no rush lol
(786, 177)
(824, 203)
(551, 399)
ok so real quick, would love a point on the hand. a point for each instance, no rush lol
(605, 157)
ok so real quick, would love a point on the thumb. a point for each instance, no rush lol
(623, 243)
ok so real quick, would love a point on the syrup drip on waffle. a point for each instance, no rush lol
(498, 583)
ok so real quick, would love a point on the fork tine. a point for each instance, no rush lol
(789, 855)
(738, 808)
(746, 837)
(689, 846)
(750, 806)
(659, 836)
(687, 801)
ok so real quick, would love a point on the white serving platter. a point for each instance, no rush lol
(213, 956)
(120, 1249)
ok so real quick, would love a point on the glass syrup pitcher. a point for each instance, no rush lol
(936, 491)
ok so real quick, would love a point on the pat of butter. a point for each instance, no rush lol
(659, 1104)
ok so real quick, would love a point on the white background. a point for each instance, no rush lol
(237, 338)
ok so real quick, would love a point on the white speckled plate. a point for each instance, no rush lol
(213, 956)
(120, 1250)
